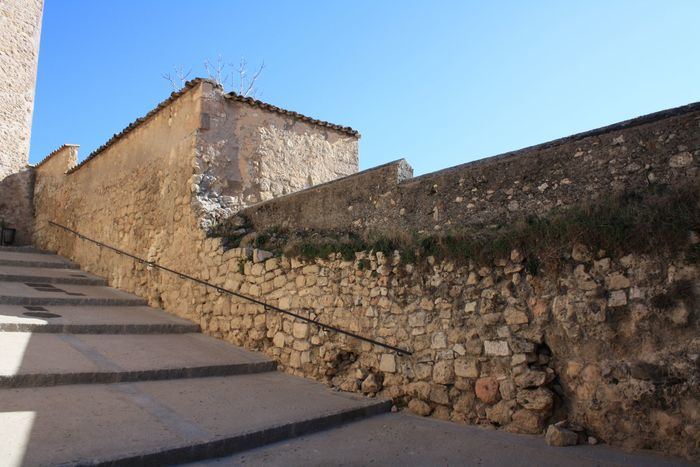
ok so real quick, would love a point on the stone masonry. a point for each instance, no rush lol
(491, 343)
(20, 27)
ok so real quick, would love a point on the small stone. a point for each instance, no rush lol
(513, 205)
(419, 407)
(464, 404)
(387, 363)
(617, 281)
(439, 341)
(444, 372)
(371, 384)
(501, 413)
(683, 159)
(526, 421)
(617, 298)
(592, 440)
(439, 394)
(487, 390)
(557, 436)
(536, 399)
(300, 330)
(278, 340)
(466, 368)
(531, 378)
(513, 316)
(496, 348)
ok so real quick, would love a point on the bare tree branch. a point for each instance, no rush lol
(178, 78)
(250, 90)
(217, 72)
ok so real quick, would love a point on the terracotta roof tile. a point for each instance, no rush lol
(269, 107)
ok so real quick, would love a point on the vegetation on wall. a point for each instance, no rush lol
(660, 219)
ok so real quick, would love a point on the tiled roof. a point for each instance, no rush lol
(269, 107)
(53, 153)
(189, 85)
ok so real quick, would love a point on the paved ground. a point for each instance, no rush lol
(407, 440)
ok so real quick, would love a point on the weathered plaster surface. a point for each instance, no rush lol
(246, 154)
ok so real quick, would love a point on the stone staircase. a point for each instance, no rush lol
(91, 375)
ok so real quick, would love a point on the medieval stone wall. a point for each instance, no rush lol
(491, 343)
(157, 185)
(247, 154)
(20, 26)
(16, 209)
(661, 148)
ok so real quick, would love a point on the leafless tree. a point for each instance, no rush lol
(246, 86)
(178, 78)
(223, 74)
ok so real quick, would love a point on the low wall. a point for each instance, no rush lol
(661, 148)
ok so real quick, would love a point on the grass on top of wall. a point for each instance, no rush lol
(660, 219)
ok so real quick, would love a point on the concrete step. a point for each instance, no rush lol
(34, 360)
(24, 249)
(30, 293)
(167, 422)
(16, 257)
(48, 276)
(92, 320)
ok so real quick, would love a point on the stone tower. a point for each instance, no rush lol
(20, 26)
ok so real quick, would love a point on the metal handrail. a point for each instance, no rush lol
(266, 306)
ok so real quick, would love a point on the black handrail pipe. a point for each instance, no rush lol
(266, 306)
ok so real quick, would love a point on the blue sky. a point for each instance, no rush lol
(437, 82)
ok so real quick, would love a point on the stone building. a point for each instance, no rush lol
(20, 27)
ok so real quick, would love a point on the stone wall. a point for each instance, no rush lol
(154, 187)
(661, 148)
(20, 26)
(610, 343)
(16, 210)
(252, 152)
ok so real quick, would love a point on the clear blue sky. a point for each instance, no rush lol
(437, 82)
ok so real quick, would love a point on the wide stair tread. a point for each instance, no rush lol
(90, 375)
(41, 275)
(20, 257)
(37, 293)
(52, 359)
(92, 320)
(164, 422)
